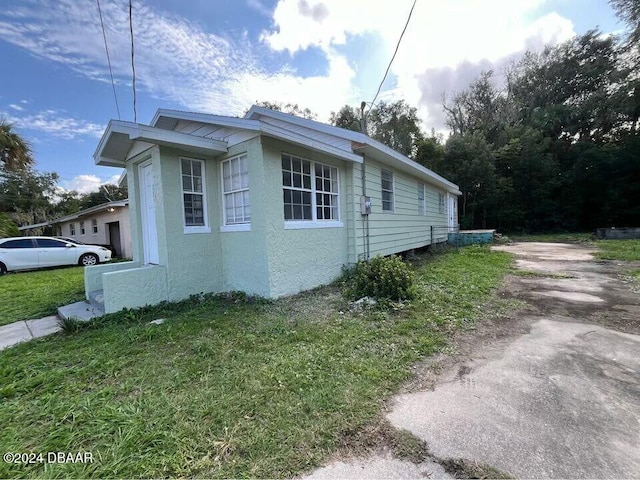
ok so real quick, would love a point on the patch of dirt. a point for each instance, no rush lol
(379, 437)
(461, 468)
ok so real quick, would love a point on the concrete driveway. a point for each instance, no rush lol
(553, 392)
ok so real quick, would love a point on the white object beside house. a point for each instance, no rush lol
(270, 204)
(105, 224)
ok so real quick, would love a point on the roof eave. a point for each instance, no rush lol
(137, 132)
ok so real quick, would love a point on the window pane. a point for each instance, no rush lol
(319, 213)
(288, 212)
(306, 198)
(197, 184)
(186, 167)
(307, 213)
(297, 212)
(287, 197)
(306, 168)
(307, 182)
(286, 179)
(318, 183)
(297, 165)
(286, 162)
(297, 180)
(50, 243)
(244, 180)
(196, 168)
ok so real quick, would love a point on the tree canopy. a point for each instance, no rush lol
(15, 152)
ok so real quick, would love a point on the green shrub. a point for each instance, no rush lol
(383, 278)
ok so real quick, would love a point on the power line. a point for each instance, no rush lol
(392, 58)
(104, 36)
(133, 66)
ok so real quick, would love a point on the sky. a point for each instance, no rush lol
(221, 56)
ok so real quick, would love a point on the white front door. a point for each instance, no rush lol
(148, 212)
(453, 212)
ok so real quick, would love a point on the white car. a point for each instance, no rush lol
(26, 253)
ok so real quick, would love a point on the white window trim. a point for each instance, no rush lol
(298, 224)
(314, 223)
(393, 185)
(422, 208)
(233, 227)
(82, 229)
(236, 227)
(188, 229)
(94, 233)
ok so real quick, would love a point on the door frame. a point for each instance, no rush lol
(147, 236)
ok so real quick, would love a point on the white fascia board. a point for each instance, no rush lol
(305, 141)
(221, 120)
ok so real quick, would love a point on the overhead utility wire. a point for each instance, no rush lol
(133, 66)
(104, 36)
(392, 58)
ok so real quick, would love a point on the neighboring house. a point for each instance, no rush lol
(106, 224)
(270, 204)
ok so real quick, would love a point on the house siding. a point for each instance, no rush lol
(405, 228)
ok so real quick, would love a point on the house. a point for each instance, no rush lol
(105, 224)
(269, 204)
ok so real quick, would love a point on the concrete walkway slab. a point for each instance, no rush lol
(44, 326)
(14, 333)
(82, 311)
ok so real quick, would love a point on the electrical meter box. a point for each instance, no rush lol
(365, 205)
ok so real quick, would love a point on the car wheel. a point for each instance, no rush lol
(89, 259)
(3, 268)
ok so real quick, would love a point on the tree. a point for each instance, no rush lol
(629, 12)
(106, 193)
(27, 196)
(347, 117)
(15, 152)
(395, 124)
(290, 108)
(430, 152)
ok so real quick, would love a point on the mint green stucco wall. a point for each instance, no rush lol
(193, 260)
(303, 258)
(245, 263)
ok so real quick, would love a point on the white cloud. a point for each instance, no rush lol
(177, 60)
(441, 35)
(56, 124)
(16, 107)
(88, 183)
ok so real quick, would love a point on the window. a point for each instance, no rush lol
(50, 243)
(59, 230)
(193, 195)
(441, 203)
(387, 191)
(235, 191)
(22, 243)
(421, 205)
(72, 229)
(81, 228)
(310, 190)
(94, 226)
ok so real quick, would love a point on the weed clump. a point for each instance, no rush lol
(382, 278)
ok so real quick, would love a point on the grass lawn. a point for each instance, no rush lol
(229, 388)
(27, 295)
